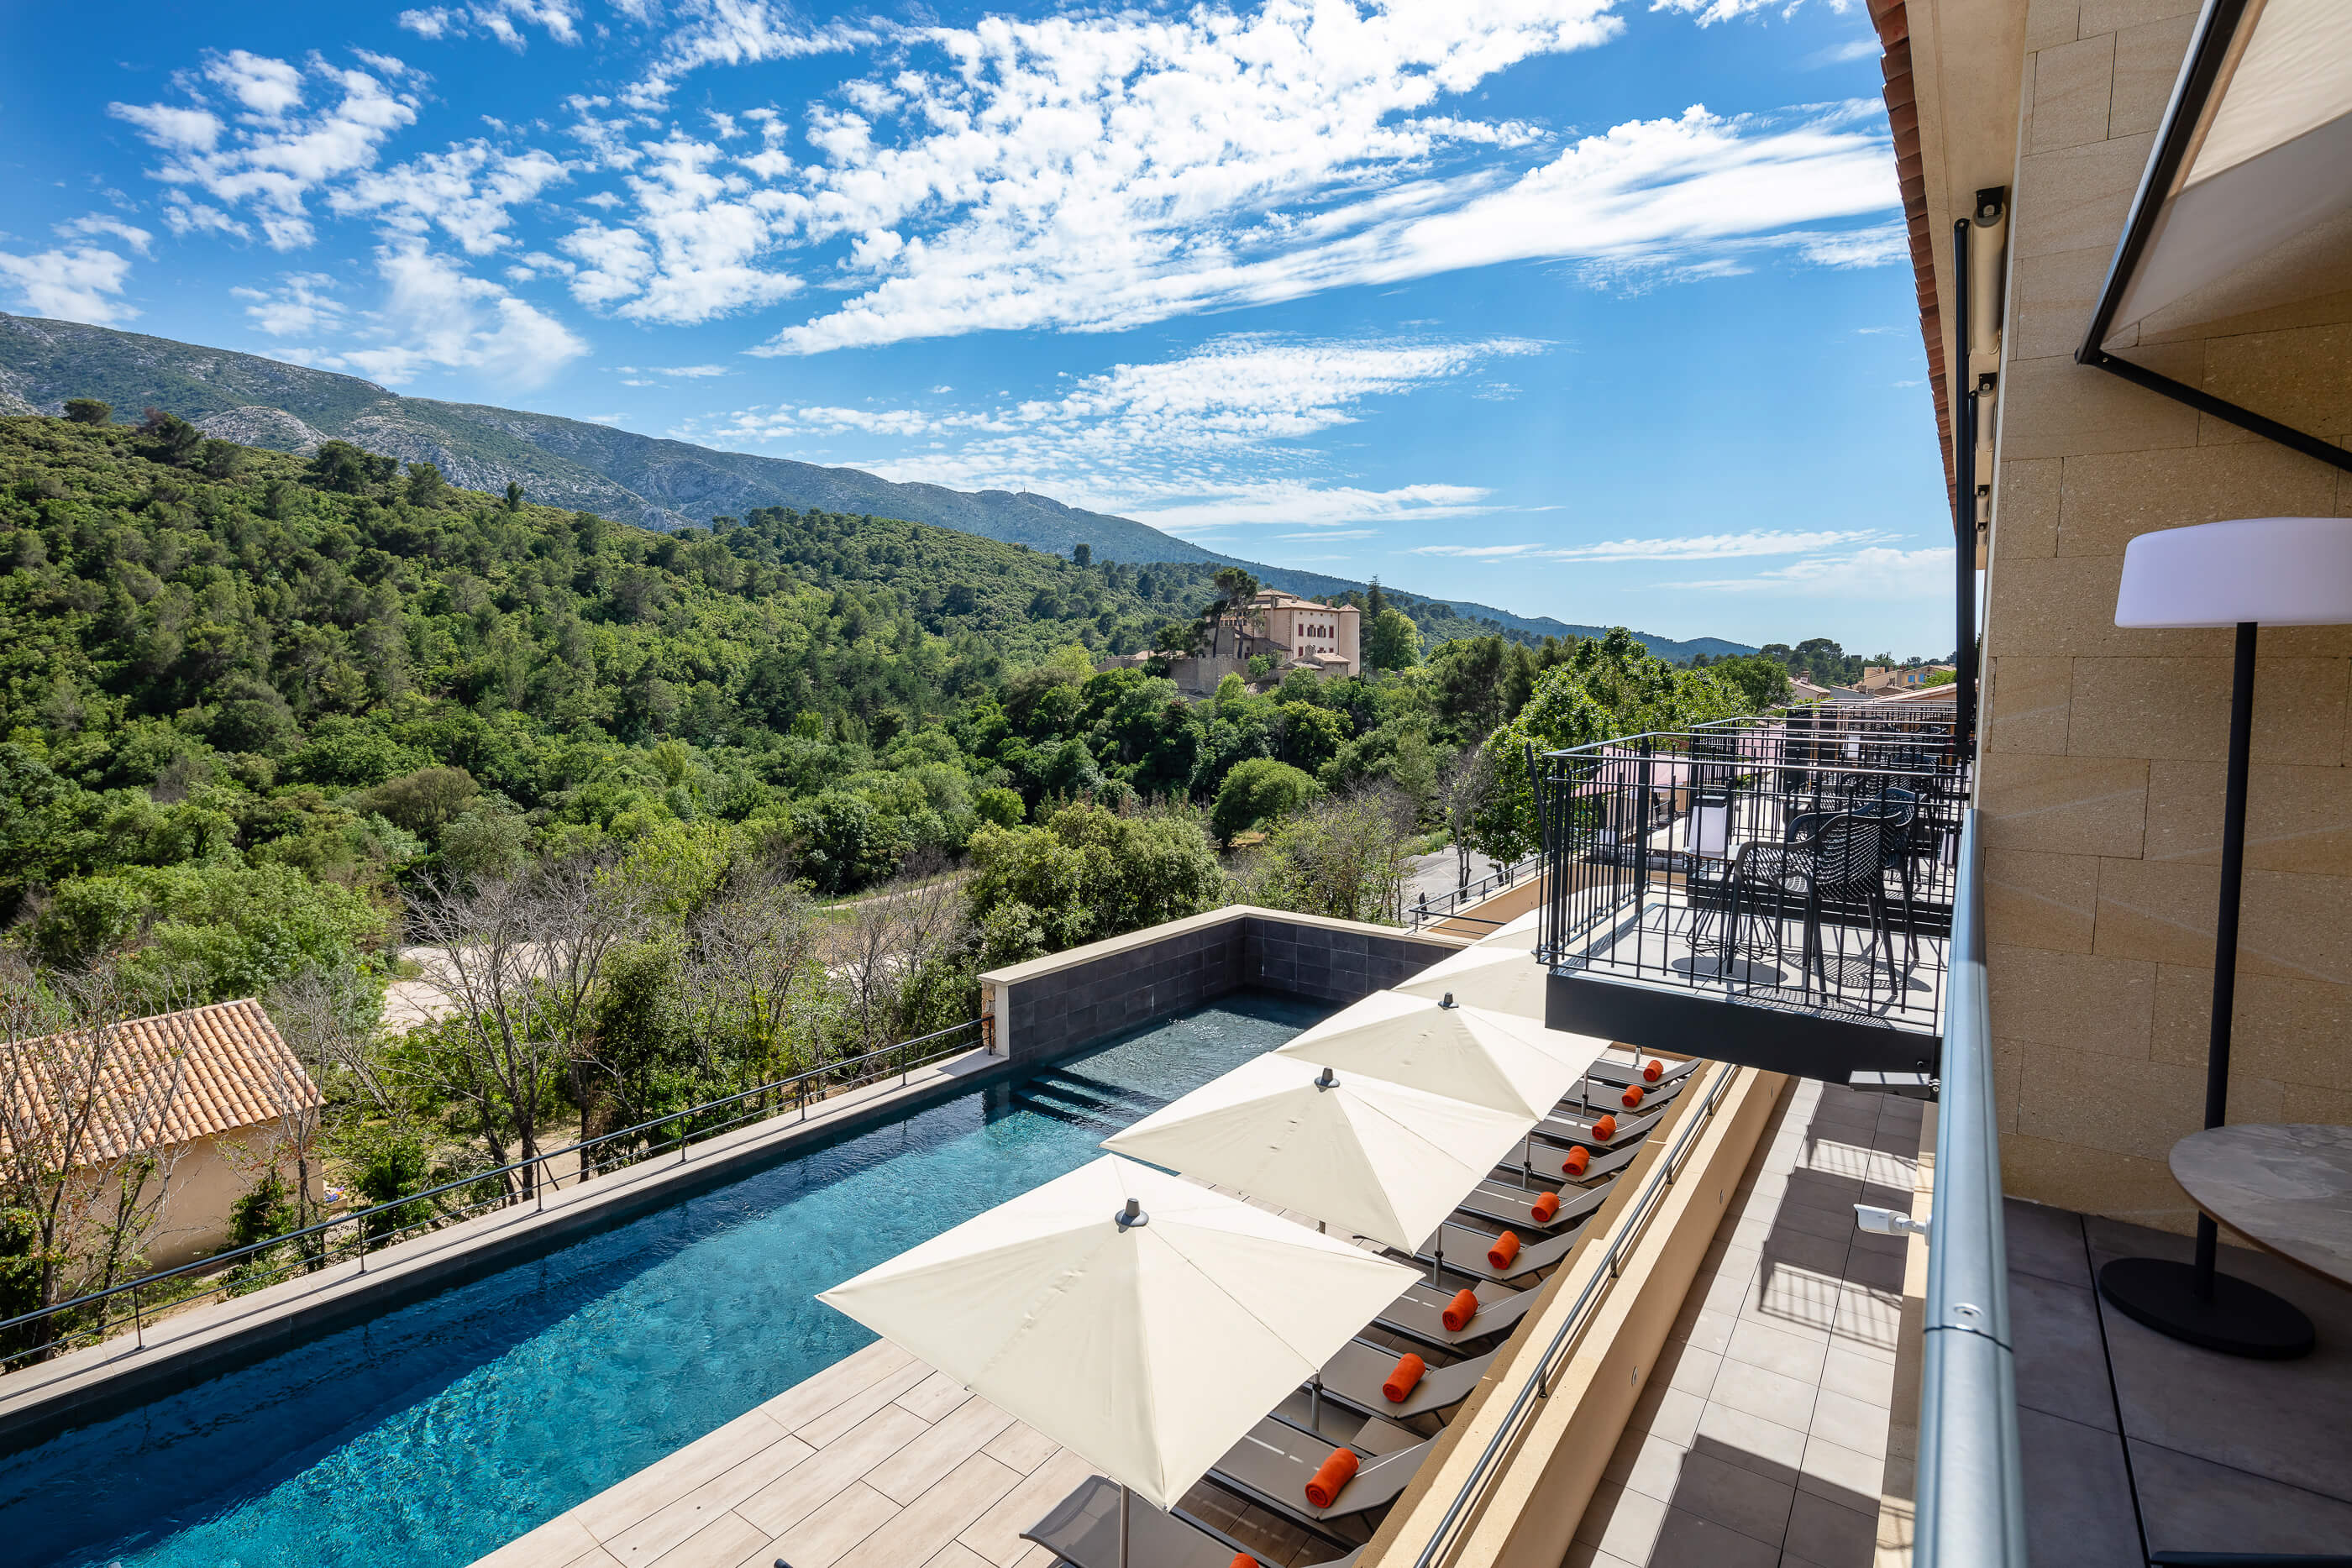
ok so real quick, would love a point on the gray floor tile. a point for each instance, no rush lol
(2078, 1503)
(1686, 1540)
(1831, 1534)
(1733, 1495)
(2288, 1420)
(2062, 1361)
(2194, 1506)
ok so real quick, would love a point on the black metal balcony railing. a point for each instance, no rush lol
(1800, 862)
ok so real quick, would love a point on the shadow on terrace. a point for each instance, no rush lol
(1781, 883)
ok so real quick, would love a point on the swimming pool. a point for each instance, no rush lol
(438, 1432)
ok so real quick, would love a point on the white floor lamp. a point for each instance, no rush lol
(2282, 571)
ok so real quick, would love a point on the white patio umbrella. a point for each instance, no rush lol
(1488, 1057)
(1142, 1321)
(1381, 1159)
(1501, 979)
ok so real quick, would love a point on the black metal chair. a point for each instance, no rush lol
(1832, 858)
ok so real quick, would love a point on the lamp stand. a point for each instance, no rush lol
(2195, 1303)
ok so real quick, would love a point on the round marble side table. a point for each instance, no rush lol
(2288, 1187)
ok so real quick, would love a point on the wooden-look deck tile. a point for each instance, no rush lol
(955, 1554)
(968, 1428)
(996, 1534)
(938, 1517)
(805, 1401)
(618, 1506)
(666, 1527)
(721, 1543)
(1021, 1446)
(827, 1428)
(934, 1396)
(785, 1503)
(554, 1544)
(833, 1531)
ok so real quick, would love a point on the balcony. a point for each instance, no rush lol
(1775, 891)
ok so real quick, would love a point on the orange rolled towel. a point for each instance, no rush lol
(1244, 1560)
(1505, 1248)
(1578, 1158)
(1655, 1071)
(1460, 1310)
(1605, 1128)
(1330, 1477)
(1632, 1097)
(1544, 1207)
(1400, 1386)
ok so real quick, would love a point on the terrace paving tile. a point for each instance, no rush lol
(1021, 1446)
(559, 1541)
(1685, 1538)
(853, 1411)
(785, 1503)
(1734, 1496)
(1775, 1348)
(832, 1532)
(812, 1397)
(944, 1512)
(618, 1508)
(647, 1540)
(956, 1554)
(721, 1543)
(1828, 1532)
(969, 1428)
(995, 1536)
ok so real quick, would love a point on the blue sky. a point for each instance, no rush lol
(1584, 308)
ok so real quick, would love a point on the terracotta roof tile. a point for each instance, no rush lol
(222, 1067)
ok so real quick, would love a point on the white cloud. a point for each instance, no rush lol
(693, 249)
(272, 163)
(97, 223)
(184, 216)
(298, 307)
(467, 192)
(268, 87)
(1862, 247)
(1878, 573)
(690, 370)
(83, 283)
(1317, 506)
(435, 315)
(1717, 546)
(501, 19)
(1473, 551)
(735, 33)
(1867, 47)
(1710, 12)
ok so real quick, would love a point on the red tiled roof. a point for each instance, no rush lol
(168, 1078)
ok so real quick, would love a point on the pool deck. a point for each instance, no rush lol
(875, 1462)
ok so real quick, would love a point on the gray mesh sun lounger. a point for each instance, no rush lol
(1622, 1071)
(1273, 1463)
(1465, 1252)
(1083, 1529)
(1356, 1373)
(1545, 1162)
(1508, 1203)
(1574, 1126)
(1600, 1095)
(1419, 1314)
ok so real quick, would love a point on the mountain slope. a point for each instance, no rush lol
(582, 466)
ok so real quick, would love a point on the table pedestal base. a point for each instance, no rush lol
(2237, 1319)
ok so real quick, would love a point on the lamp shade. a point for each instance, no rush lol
(2276, 572)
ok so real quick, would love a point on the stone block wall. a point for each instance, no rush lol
(2102, 779)
(1058, 1004)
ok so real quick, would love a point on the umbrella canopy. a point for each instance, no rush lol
(1381, 1159)
(1498, 979)
(1147, 1346)
(1488, 1057)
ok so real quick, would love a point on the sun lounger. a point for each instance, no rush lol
(1542, 1159)
(1507, 1203)
(1596, 1096)
(1574, 1125)
(1273, 1464)
(1356, 1373)
(1465, 1252)
(1419, 1314)
(1083, 1529)
(1622, 1070)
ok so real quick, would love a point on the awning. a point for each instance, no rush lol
(2246, 203)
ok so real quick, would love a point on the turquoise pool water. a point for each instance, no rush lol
(436, 1433)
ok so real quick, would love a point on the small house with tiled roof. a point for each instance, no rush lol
(208, 1088)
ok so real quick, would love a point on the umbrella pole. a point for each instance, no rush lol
(1122, 1524)
(1315, 1404)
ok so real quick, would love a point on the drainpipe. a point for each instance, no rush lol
(1973, 378)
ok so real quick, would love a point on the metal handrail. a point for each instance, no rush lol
(1445, 906)
(1538, 1385)
(226, 1261)
(1971, 1490)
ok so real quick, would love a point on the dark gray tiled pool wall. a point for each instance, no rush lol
(1071, 1008)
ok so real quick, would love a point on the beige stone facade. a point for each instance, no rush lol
(2103, 752)
(1328, 637)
